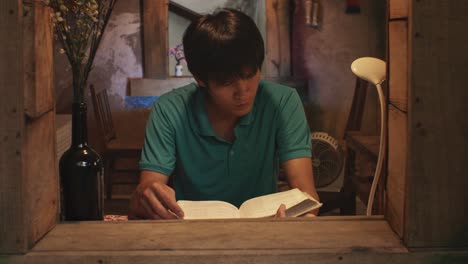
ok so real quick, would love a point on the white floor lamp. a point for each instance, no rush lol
(373, 70)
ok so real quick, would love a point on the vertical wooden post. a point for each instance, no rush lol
(155, 38)
(436, 212)
(28, 167)
(278, 39)
(398, 48)
(13, 232)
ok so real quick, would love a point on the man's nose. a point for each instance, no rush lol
(241, 88)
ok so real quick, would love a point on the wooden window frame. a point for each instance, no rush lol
(26, 239)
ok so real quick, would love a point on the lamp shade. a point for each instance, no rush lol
(370, 69)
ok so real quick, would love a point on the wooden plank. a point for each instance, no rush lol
(13, 230)
(40, 174)
(436, 213)
(396, 179)
(63, 134)
(38, 60)
(183, 11)
(234, 256)
(398, 8)
(278, 57)
(398, 68)
(344, 235)
(156, 87)
(155, 38)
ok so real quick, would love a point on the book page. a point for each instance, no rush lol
(267, 205)
(208, 209)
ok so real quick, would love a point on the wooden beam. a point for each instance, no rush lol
(155, 38)
(398, 9)
(183, 11)
(235, 256)
(38, 64)
(278, 39)
(398, 64)
(436, 203)
(40, 175)
(332, 234)
(340, 240)
(13, 228)
(39, 159)
(396, 177)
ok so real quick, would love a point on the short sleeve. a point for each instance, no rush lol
(293, 133)
(159, 149)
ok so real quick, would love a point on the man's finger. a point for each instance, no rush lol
(149, 211)
(156, 205)
(167, 198)
(309, 215)
(281, 211)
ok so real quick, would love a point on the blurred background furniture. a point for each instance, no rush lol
(115, 147)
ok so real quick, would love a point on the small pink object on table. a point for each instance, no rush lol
(114, 218)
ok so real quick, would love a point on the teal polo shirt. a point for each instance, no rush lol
(179, 138)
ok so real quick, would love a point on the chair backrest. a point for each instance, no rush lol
(103, 113)
(357, 107)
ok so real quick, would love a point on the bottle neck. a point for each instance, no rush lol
(79, 125)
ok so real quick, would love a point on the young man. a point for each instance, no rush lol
(224, 137)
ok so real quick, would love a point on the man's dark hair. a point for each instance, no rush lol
(223, 47)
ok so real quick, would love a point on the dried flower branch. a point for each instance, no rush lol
(79, 25)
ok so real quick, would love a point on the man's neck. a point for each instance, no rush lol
(223, 124)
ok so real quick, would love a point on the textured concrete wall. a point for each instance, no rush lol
(324, 55)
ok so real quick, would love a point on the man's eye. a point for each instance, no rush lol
(226, 83)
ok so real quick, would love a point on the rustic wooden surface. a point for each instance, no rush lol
(234, 256)
(277, 43)
(436, 213)
(334, 234)
(398, 8)
(38, 60)
(398, 64)
(40, 174)
(12, 212)
(398, 53)
(63, 135)
(396, 177)
(297, 240)
(39, 159)
(155, 38)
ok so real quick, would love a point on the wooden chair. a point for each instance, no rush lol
(114, 147)
(365, 147)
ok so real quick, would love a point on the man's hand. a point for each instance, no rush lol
(153, 199)
(300, 175)
(282, 212)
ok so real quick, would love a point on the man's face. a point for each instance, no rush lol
(234, 98)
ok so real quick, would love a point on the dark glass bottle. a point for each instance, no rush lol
(81, 174)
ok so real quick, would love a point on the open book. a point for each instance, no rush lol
(297, 203)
